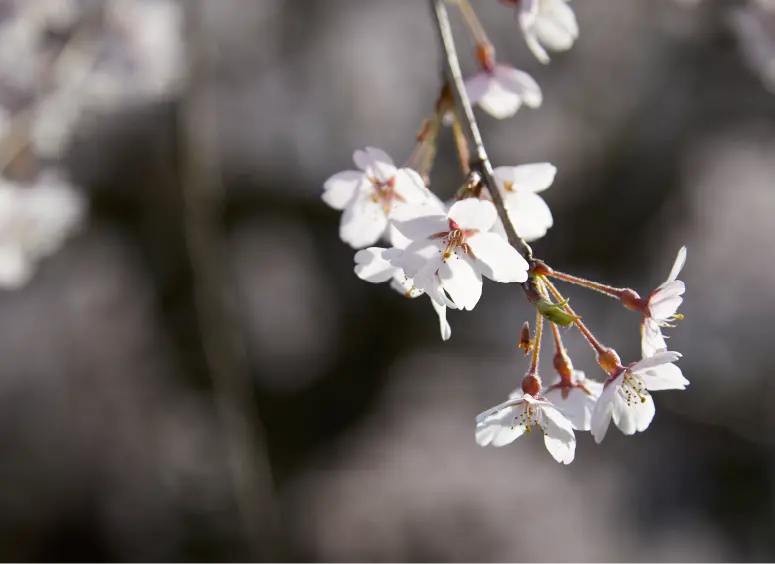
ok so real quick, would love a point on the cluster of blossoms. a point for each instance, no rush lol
(443, 250)
(62, 60)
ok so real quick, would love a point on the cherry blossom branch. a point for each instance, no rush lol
(591, 339)
(481, 162)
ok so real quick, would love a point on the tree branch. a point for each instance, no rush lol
(480, 162)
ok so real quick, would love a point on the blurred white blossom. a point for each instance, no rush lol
(34, 222)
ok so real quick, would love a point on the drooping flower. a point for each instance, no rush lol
(372, 266)
(455, 250)
(500, 90)
(34, 221)
(626, 398)
(505, 423)
(661, 307)
(369, 196)
(528, 211)
(548, 24)
(575, 397)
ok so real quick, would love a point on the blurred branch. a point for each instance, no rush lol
(214, 303)
(480, 163)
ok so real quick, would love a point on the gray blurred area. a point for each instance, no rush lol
(356, 420)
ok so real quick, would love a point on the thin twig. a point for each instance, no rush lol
(224, 350)
(481, 162)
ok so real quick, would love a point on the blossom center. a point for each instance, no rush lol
(633, 389)
(384, 192)
(454, 238)
(529, 415)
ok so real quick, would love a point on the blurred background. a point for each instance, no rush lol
(196, 374)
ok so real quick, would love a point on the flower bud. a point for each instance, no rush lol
(525, 342)
(531, 384)
(609, 361)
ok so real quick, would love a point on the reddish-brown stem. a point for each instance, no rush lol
(597, 286)
(557, 338)
(537, 344)
(472, 22)
(594, 343)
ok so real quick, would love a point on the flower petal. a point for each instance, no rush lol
(461, 280)
(680, 260)
(496, 259)
(659, 358)
(441, 311)
(664, 377)
(498, 429)
(520, 83)
(533, 177)
(529, 214)
(651, 339)
(409, 186)
(341, 188)
(477, 85)
(633, 417)
(362, 223)
(372, 267)
(498, 101)
(419, 222)
(375, 162)
(601, 416)
(473, 213)
(559, 438)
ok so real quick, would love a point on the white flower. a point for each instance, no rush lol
(34, 221)
(575, 399)
(661, 308)
(500, 90)
(626, 398)
(505, 423)
(548, 23)
(528, 211)
(455, 250)
(372, 266)
(369, 196)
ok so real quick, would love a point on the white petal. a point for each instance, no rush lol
(461, 280)
(403, 285)
(664, 377)
(680, 260)
(499, 102)
(662, 357)
(473, 213)
(372, 267)
(410, 186)
(633, 417)
(529, 214)
(477, 85)
(601, 416)
(531, 38)
(496, 259)
(362, 223)
(375, 162)
(419, 222)
(559, 438)
(416, 257)
(498, 429)
(533, 177)
(664, 303)
(341, 188)
(557, 27)
(520, 83)
(577, 407)
(651, 339)
(15, 267)
(441, 311)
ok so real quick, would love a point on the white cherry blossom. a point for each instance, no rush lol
(548, 24)
(626, 398)
(575, 399)
(372, 266)
(34, 221)
(505, 423)
(528, 211)
(370, 195)
(455, 250)
(500, 90)
(661, 308)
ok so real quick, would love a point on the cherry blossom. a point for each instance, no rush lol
(372, 266)
(455, 250)
(661, 307)
(34, 221)
(369, 196)
(500, 90)
(528, 211)
(575, 398)
(626, 398)
(505, 423)
(548, 24)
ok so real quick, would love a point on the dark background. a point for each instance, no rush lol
(135, 426)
